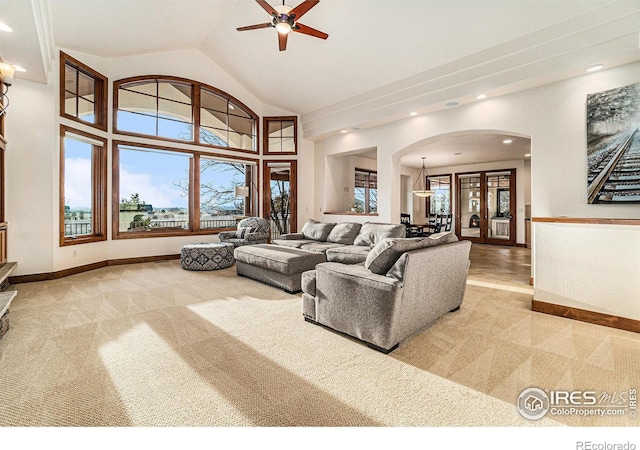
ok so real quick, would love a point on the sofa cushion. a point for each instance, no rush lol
(320, 247)
(344, 233)
(348, 254)
(317, 231)
(295, 243)
(372, 232)
(285, 260)
(385, 254)
(291, 236)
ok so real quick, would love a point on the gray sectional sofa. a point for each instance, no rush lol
(282, 262)
(364, 280)
(346, 242)
(403, 286)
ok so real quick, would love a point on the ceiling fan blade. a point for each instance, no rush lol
(267, 7)
(302, 8)
(282, 41)
(304, 29)
(255, 27)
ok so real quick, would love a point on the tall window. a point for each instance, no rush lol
(160, 191)
(83, 175)
(83, 93)
(153, 189)
(225, 192)
(183, 110)
(440, 202)
(280, 135)
(366, 191)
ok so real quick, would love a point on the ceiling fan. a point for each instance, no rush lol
(285, 19)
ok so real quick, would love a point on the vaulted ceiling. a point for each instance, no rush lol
(382, 59)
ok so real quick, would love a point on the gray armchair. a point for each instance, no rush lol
(251, 231)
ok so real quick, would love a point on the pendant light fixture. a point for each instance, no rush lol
(420, 186)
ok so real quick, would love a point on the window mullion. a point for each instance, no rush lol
(194, 192)
(195, 112)
(157, 108)
(77, 93)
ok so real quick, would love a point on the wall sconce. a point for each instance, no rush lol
(6, 77)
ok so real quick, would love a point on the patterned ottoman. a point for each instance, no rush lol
(206, 256)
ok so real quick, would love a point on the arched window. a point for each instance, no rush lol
(183, 110)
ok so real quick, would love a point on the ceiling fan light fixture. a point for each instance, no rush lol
(284, 19)
(283, 27)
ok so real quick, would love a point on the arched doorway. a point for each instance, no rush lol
(500, 161)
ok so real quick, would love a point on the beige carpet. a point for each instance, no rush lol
(154, 345)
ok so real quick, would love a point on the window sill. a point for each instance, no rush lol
(166, 233)
(67, 240)
(351, 213)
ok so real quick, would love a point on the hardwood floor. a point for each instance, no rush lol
(501, 265)
(495, 343)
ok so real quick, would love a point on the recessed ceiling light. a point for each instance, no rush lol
(594, 68)
(526, 155)
(413, 113)
(344, 131)
(452, 104)
(507, 141)
(481, 96)
(5, 27)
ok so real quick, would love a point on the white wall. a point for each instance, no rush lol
(30, 184)
(590, 267)
(554, 117)
(33, 152)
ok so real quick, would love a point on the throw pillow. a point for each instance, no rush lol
(344, 233)
(316, 231)
(372, 232)
(440, 239)
(242, 232)
(385, 254)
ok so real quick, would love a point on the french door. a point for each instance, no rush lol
(280, 187)
(486, 207)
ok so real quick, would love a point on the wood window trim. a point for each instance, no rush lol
(194, 188)
(99, 190)
(101, 94)
(293, 191)
(367, 192)
(265, 135)
(196, 91)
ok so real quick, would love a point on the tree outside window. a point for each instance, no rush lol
(366, 191)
